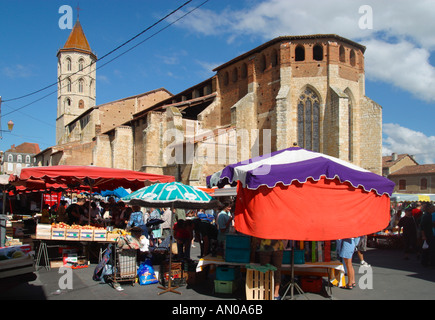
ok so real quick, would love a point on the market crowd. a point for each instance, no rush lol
(415, 222)
(205, 228)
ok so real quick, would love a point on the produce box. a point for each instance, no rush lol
(72, 234)
(43, 231)
(58, 233)
(100, 235)
(112, 236)
(87, 235)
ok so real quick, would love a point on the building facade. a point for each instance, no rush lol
(20, 156)
(306, 90)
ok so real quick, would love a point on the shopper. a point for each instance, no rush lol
(224, 221)
(271, 252)
(183, 234)
(137, 220)
(427, 225)
(206, 234)
(345, 250)
(409, 234)
(360, 249)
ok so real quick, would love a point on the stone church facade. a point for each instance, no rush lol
(306, 90)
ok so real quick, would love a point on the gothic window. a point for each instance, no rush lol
(352, 58)
(342, 54)
(68, 85)
(81, 85)
(309, 120)
(226, 78)
(235, 75)
(318, 52)
(81, 64)
(274, 58)
(68, 64)
(300, 53)
(263, 64)
(402, 184)
(244, 71)
(81, 104)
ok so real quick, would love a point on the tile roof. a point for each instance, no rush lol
(415, 170)
(77, 40)
(26, 147)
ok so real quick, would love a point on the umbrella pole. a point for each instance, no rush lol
(292, 285)
(170, 288)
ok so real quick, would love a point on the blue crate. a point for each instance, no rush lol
(237, 241)
(237, 255)
(227, 273)
(299, 257)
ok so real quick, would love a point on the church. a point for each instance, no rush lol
(307, 90)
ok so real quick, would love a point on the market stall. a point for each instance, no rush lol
(306, 196)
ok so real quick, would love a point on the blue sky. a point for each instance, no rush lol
(399, 61)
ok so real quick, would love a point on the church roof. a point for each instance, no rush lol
(77, 41)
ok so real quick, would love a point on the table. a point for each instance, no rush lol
(333, 270)
(43, 249)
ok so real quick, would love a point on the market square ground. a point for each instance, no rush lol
(393, 279)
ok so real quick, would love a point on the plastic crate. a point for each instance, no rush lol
(237, 241)
(311, 284)
(237, 255)
(227, 273)
(221, 286)
(299, 257)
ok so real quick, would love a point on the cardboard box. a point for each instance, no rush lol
(43, 231)
(58, 233)
(72, 234)
(86, 235)
(100, 235)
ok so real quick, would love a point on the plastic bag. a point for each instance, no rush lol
(425, 245)
(146, 273)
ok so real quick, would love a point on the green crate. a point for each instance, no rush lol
(221, 286)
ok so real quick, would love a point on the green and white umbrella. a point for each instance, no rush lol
(171, 194)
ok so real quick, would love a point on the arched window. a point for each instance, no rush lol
(352, 58)
(244, 71)
(263, 64)
(318, 52)
(10, 158)
(309, 120)
(423, 184)
(81, 104)
(235, 75)
(68, 64)
(81, 85)
(274, 58)
(299, 53)
(226, 78)
(68, 85)
(27, 159)
(19, 158)
(342, 54)
(81, 64)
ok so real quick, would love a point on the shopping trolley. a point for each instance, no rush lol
(124, 266)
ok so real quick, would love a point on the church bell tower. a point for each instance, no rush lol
(76, 75)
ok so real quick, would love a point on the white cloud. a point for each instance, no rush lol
(403, 140)
(17, 71)
(398, 46)
(403, 65)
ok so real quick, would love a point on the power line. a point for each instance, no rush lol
(118, 56)
(107, 54)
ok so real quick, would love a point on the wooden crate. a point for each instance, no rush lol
(86, 235)
(259, 285)
(72, 234)
(100, 235)
(58, 233)
(43, 231)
